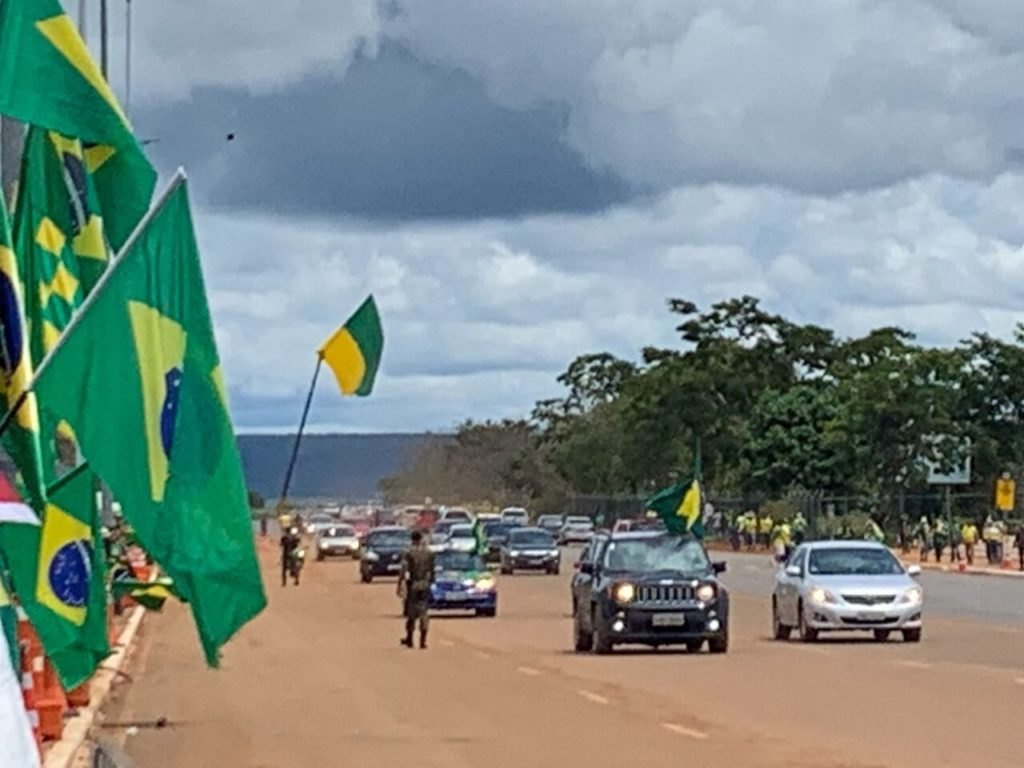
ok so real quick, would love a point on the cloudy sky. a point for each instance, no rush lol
(521, 182)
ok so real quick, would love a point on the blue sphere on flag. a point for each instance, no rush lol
(169, 412)
(69, 573)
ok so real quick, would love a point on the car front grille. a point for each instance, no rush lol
(663, 594)
(869, 599)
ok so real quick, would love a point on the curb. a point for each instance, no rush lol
(76, 731)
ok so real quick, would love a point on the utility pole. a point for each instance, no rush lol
(103, 38)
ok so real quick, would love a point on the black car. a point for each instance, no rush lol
(653, 589)
(530, 549)
(382, 552)
(496, 534)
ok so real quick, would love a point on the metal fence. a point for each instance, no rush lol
(106, 755)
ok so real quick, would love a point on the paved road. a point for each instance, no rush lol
(319, 680)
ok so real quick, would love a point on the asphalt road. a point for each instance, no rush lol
(320, 680)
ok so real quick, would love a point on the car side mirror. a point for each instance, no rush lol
(587, 568)
(794, 571)
(719, 567)
(914, 570)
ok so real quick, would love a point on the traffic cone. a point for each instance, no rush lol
(28, 694)
(52, 703)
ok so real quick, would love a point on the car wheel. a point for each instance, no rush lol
(489, 613)
(693, 646)
(367, 578)
(779, 630)
(912, 635)
(881, 635)
(807, 634)
(719, 644)
(602, 642)
(505, 570)
(319, 557)
(582, 641)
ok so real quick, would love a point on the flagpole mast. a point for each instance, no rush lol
(298, 435)
(176, 181)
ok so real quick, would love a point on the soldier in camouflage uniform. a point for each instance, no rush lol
(414, 587)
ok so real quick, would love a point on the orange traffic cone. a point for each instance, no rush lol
(28, 694)
(52, 703)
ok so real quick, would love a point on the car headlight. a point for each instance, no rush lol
(706, 593)
(486, 584)
(913, 595)
(624, 593)
(553, 553)
(323, 545)
(515, 553)
(372, 557)
(821, 596)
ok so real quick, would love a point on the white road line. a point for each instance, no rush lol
(684, 731)
(915, 664)
(530, 671)
(592, 697)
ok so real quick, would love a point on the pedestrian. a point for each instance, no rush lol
(990, 533)
(940, 538)
(799, 529)
(289, 543)
(923, 534)
(969, 534)
(764, 529)
(414, 584)
(1020, 544)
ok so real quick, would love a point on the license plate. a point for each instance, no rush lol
(394, 567)
(456, 596)
(668, 619)
(869, 616)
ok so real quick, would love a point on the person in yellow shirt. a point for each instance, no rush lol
(764, 528)
(969, 535)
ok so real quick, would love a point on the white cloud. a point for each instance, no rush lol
(481, 317)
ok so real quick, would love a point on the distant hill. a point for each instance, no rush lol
(342, 467)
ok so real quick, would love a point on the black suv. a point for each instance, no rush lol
(650, 588)
(382, 552)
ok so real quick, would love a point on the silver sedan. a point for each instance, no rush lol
(842, 586)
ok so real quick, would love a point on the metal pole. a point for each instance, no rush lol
(103, 38)
(128, 58)
(11, 135)
(81, 19)
(298, 436)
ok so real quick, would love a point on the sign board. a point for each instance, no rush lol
(958, 476)
(1006, 494)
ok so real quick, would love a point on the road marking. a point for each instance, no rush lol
(482, 655)
(528, 671)
(915, 664)
(447, 643)
(592, 697)
(684, 731)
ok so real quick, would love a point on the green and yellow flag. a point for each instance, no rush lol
(8, 619)
(680, 508)
(49, 79)
(354, 351)
(141, 363)
(151, 595)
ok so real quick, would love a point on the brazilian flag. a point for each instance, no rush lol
(151, 595)
(138, 379)
(679, 507)
(354, 351)
(49, 79)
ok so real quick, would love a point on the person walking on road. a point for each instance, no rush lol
(969, 534)
(289, 543)
(923, 534)
(414, 588)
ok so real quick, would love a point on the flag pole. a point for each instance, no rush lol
(176, 181)
(298, 435)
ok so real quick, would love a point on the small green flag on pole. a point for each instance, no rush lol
(49, 79)
(354, 351)
(139, 361)
(680, 506)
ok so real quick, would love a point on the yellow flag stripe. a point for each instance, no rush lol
(343, 355)
(63, 36)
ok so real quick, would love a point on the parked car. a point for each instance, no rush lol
(382, 552)
(340, 540)
(515, 515)
(651, 589)
(576, 530)
(530, 549)
(844, 586)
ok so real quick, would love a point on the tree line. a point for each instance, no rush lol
(777, 407)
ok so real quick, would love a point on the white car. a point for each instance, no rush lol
(339, 540)
(516, 515)
(845, 586)
(460, 538)
(320, 521)
(455, 514)
(577, 530)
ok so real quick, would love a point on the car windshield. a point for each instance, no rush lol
(458, 561)
(340, 530)
(498, 529)
(662, 553)
(550, 521)
(531, 539)
(389, 539)
(853, 561)
(461, 532)
(442, 528)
